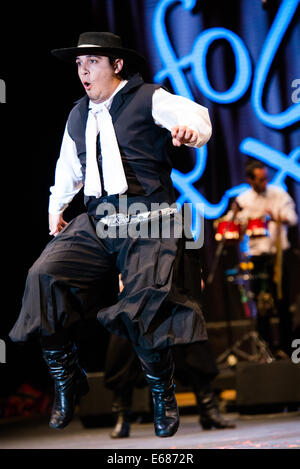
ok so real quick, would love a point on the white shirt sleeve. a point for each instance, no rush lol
(169, 110)
(286, 209)
(68, 176)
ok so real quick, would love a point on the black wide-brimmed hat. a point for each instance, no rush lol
(100, 43)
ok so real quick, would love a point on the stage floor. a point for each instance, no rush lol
(270, 431)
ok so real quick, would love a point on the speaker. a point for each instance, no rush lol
(95, 408)
(261, 384)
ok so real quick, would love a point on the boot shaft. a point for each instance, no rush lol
(159, 376)
(70, 382)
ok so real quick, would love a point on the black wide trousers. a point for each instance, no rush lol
(76, 277)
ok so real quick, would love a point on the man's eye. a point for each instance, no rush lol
(93, 61)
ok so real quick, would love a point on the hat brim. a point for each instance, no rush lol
(69, 54)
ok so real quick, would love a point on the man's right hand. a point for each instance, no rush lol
(56, 223)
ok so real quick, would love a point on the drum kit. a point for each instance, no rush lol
(231, 231)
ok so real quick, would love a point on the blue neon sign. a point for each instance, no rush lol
(285, 165)
(289, 116)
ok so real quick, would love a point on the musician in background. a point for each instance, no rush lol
(269, 250)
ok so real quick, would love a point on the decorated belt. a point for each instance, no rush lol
(118, 219)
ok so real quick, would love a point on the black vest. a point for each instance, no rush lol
(142, 143)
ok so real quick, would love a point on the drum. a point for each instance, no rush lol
(228, 230)
(257, 227)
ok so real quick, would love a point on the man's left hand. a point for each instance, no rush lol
(182, 135)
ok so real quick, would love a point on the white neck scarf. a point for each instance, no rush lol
(99, 120)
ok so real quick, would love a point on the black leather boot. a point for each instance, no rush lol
(159, 376)
(121, 411)
(210, 416)
(70, 383)
(122, 427)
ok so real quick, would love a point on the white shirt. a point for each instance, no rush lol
(254, 205)
(168, 110)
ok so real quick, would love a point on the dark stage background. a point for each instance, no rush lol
(173, 36)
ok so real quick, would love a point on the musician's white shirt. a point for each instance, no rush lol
(254, 205)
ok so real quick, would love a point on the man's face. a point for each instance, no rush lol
(98, 77)
(260, 180)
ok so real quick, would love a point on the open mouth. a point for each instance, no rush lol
(87, 85)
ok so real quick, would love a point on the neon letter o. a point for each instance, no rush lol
(242, 60)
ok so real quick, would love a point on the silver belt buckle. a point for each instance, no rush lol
(118, 219)
(115, 220)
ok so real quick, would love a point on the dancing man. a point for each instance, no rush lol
(114, 146)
